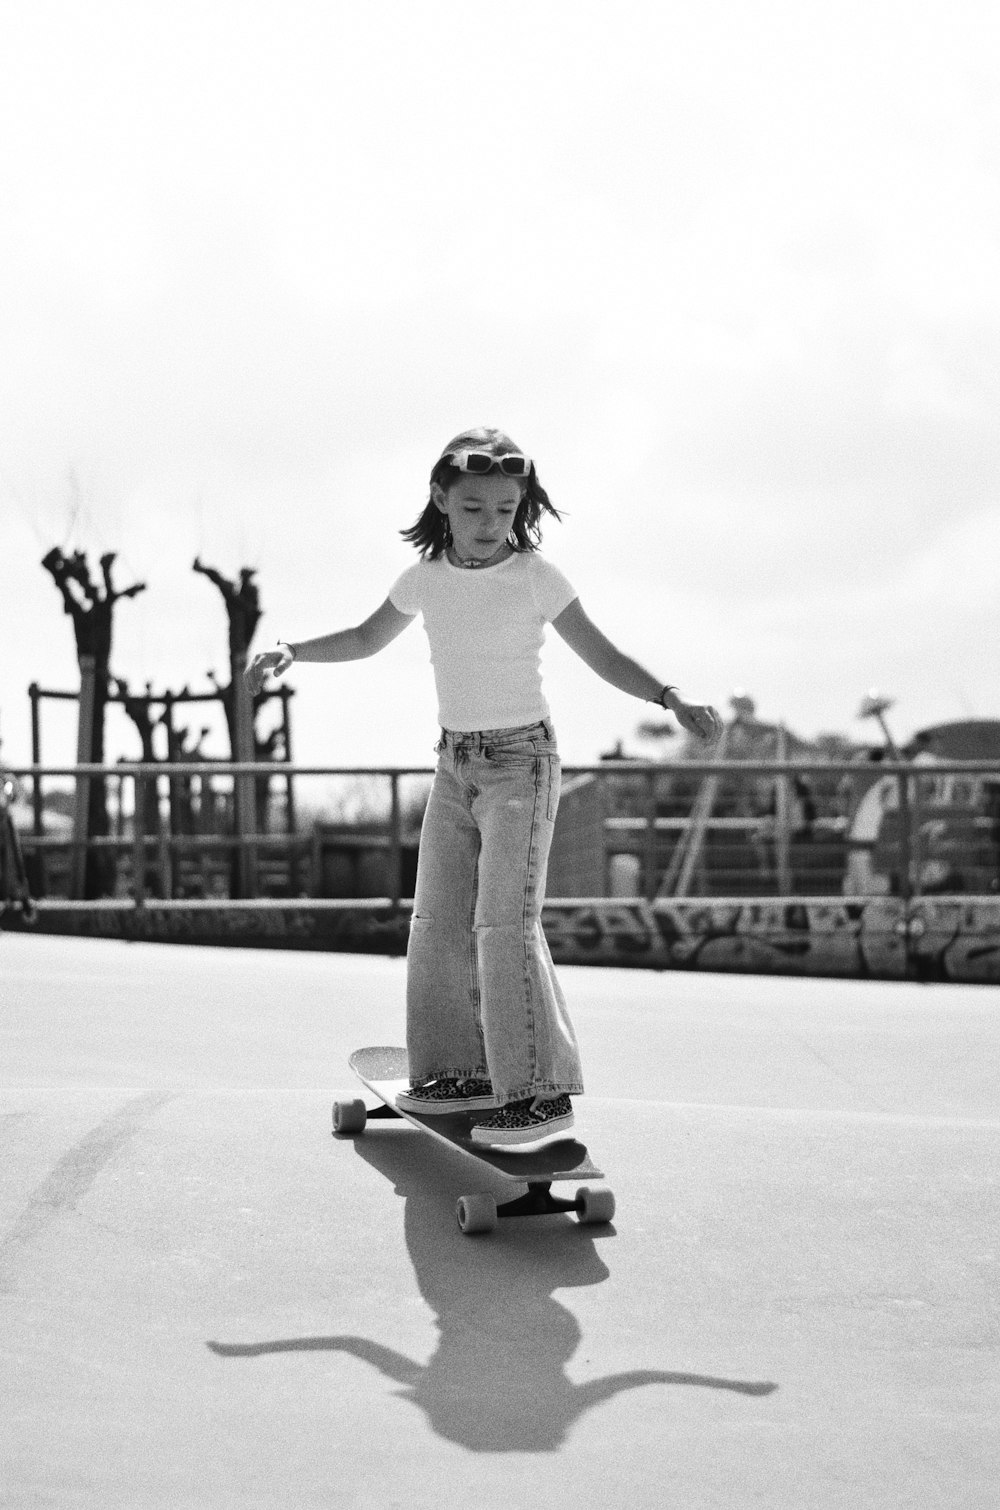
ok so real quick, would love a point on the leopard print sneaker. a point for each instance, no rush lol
(447, 1094)
(517, 1122)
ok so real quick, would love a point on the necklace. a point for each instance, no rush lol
(472, 563)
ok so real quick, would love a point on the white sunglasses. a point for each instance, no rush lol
(480, 462)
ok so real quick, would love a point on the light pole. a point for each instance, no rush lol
(876, 705)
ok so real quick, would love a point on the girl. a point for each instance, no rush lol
(486, 1021)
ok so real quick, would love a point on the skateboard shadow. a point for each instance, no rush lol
(497, 1380)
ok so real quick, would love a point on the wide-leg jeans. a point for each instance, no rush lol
(482, 995)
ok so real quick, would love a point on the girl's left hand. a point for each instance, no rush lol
(700, 719)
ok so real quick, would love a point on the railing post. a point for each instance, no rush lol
(84, 754)
(395, 844)
(905, 837)
(36, 760)
(782, 820)
(603, 791)
(139, 841)
(165, 841)
(244, 792)
(286, 729)
(649, 849)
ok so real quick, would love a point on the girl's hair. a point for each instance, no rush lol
(431, 534)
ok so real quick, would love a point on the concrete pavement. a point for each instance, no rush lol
(210, 1302)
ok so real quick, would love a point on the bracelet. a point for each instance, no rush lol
(289, 647)
(668, 688)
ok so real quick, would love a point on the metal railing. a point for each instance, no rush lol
(628, 829)
(782, 828)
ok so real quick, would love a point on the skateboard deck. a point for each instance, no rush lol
(385, 1072)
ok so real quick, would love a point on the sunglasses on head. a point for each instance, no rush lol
(481, 462)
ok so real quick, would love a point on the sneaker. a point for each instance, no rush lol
(446, 1094)
(526, 1121)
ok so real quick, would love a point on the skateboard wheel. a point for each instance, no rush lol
(593, 1206)
(349, 1116)
(476, 1213)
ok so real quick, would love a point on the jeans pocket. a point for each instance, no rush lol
(523, 754)
(541, 764)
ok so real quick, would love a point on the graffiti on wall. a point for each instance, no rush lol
(956, 938)
(933, 938)
(766, 936)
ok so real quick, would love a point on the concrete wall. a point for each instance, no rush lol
(936, 938)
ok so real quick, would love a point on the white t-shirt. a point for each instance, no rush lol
(485, 627)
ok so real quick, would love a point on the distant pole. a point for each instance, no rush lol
(875, 705)
(677, 881)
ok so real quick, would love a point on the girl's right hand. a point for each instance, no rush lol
(275, 662)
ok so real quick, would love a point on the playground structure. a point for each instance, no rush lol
(820, 818)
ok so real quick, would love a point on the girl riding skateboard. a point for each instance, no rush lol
(488, 1029)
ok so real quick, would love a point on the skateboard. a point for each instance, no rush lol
(385, 1072)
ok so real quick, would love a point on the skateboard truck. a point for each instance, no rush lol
(384, 1072)
(539, 1201)
(480, 1213)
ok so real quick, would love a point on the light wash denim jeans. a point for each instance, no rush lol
(482, 998)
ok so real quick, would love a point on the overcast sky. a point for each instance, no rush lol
(727, 269)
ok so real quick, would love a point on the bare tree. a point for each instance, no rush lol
(242, 602)
(139, 710)
(91, 606)
(243, 608)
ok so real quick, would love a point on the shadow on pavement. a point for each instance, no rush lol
(497, 1381)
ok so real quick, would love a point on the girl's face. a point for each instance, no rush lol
(481, 512)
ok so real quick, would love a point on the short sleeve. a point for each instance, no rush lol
(405, 593)
(551, 590)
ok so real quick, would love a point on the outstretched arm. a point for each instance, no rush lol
(366, 639)
(599, 1390)
(392, 1364)
(612, 665)
(355, 644)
